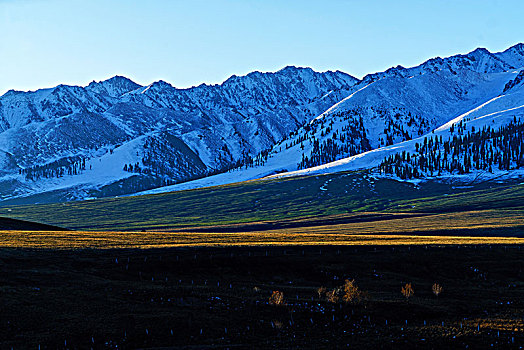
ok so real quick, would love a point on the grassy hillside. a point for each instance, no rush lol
(283, 199)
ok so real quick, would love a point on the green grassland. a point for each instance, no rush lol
(498, 205)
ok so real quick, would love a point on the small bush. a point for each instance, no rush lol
(351, 292)
(321, 291)
(437, 289)
(334, 295)
(407, 291)
(276, 298)
(277, 324)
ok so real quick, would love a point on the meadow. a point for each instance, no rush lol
(304, 198)
(197, 269)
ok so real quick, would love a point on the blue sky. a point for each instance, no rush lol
(47, 42)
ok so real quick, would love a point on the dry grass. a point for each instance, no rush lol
(506, 325)
(144, 240)
(472, 227)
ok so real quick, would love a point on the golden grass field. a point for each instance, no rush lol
(473, 227)
(141, 240)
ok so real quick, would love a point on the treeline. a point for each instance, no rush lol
(155, 160)
(486, 149)
(349, 140)
(399, 124)
(133, 168)
(394, 130)
(56, 169)
(341, 134)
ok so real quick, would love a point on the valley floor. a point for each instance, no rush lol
(148, 240)
(195, 269)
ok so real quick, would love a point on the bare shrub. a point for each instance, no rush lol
(437, 289)
(407, 291)
(321, 291)
(277, 324)
(276, 298)
(351, 292)
(333, 296)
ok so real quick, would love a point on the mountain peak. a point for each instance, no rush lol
(161, 84)
(115, 86)
(513, 55)
(62, 88)
(155, 86)
(12, 92)
(120, 79)
(398, 68)
(117, 79)
(480, 50)
(291, 68)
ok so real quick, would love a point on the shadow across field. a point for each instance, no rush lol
(20, 225)
(304, 223)
(218, 297)
(488, 223)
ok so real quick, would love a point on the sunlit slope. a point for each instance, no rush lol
(148, 240)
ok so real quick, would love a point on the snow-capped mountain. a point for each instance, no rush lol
(393, 111)
(116, 137)
(114, 87)
(513, 55)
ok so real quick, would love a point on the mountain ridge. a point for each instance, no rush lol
(78, 140)
(465, 93)
(221, 126)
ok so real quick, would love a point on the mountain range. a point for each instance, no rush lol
(117, 137)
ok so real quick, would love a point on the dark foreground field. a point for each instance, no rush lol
(218, 297)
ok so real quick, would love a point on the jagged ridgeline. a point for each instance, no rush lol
(117, 133)
(117, 137)
(486, 149)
